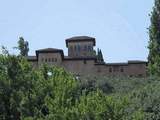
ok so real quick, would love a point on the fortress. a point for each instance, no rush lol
(81, 60)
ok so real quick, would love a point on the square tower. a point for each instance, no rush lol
(80, 46)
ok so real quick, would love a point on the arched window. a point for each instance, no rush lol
(42, 60)
(110, 69)
(75, 48)
(85, 48)
(55, 59)
(79, 48)
(49, 59)
(89, 48)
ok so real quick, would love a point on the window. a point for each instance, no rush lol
(116, 68)
(46, 60)
(89, 48)
(85, 48)
(75, 48)
(79, 48)
(131, 76)
(110, 69)
(42, 60)
(55, 59)
(140, 75)
(49, 59)
(52, 59)
(122, 70)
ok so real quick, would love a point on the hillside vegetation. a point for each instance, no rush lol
(53, 94)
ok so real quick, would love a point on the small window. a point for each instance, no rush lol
(42, 60)
(131, 76)
(46, 60)
(89, 48)
(49, 59)
(110, 69)
(52, 59)
(140, 75)
(79, 48)
(85, 62)
(55, 59)
(85, 48)
(75, 48)
(122, 70)
(116, 69)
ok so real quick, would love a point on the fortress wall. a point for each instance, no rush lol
(111, 70)
(131, 70)
(138, 70)
(79, 67)
(88, 67)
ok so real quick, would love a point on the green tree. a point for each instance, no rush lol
(15, 86)
(4, 50)
(23, 46)
(154, 40)
(100, 55)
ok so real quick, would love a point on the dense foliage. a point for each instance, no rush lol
(142, 93)
(154, 42)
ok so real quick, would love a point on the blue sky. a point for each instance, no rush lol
(119, 26)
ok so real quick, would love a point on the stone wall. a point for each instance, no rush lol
(79, 67)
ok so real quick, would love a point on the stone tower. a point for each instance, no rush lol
(80, 46)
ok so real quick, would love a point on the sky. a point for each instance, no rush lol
(119, 26)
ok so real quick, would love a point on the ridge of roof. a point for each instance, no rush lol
(80, 39)
(49, 49)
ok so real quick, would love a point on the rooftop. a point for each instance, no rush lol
(80, 39)
(49, 50)
(31, 58)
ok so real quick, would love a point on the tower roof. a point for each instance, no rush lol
(50, 50)
(81, 39)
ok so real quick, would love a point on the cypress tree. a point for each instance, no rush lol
(99, 56)
(154, 41)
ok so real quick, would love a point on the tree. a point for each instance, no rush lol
(154, 41)
(4, 50)
(23, 46)
(16, 82)
(100, 55)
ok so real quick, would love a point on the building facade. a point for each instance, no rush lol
(82, 60)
